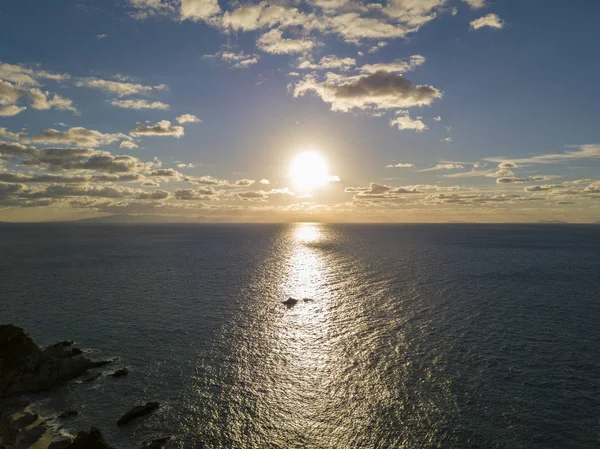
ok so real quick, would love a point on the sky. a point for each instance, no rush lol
(410, 110)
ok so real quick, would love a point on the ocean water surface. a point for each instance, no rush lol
(416, 336)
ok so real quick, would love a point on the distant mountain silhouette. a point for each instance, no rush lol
(127, 218)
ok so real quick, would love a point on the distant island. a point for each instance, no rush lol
(135, 219)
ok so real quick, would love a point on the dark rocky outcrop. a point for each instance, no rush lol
(19, 429)
(89, 440)
(84, 440)
(68, 414)
(120, 372)
(91, 377)
(290, 302)
(137, 412)
(26, 368)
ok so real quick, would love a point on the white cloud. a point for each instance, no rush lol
(188, 118)
(447, 139)
(544, 188)
(502, 173)
(41, 101)
(507, 164)
(512, 179)
(206, 181)
(199, 9)
(128, 145)
(264, 181)
(200, 194)
(404, 121)
(413, 12)
(140, 104)
(352, 28)
(85, 159)
(329, 62)
(240, 60)
(443, 167)
(162, 128)
(579, 152)
(101, 36)
(265, 15)
(376, 48)
(400, 165)
(438, 118)
(244, 182)
(381, 90)
(25, 76)
(274, 42)
(10, 94)
(476, 4)
(119, 88)
(77, 136)
(12, 110)
(144, 9)
(490, 20)
(378, 191)
(397, 66)
(13, 136)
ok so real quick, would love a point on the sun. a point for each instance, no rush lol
(309, 170)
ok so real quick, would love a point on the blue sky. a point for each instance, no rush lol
(487, 109)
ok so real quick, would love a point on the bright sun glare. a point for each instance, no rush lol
(309, 170)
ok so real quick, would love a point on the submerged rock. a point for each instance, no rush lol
(290, 302)
(68, 414)
(120, 372)
(26, 368)
(91, 377)
(159, 443)
(137, 412)
(76, 351)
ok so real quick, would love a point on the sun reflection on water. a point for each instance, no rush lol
(307, 233)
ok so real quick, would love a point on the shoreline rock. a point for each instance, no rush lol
(26, 368)
(120, 372)
(138, 412)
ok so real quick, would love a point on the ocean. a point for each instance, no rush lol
(415, 336)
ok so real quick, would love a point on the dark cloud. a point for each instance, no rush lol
(379, 90)
(85, 159)
(15, 149)
(162, 128)
(203, 193)
(77, 136)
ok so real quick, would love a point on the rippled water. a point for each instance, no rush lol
(418, 336)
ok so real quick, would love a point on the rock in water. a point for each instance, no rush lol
(159, 443)
(89, 440)
(91, 377)
(68, 414)
(25, 368)
(136, 412)
(120, 372)
(290, 302)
